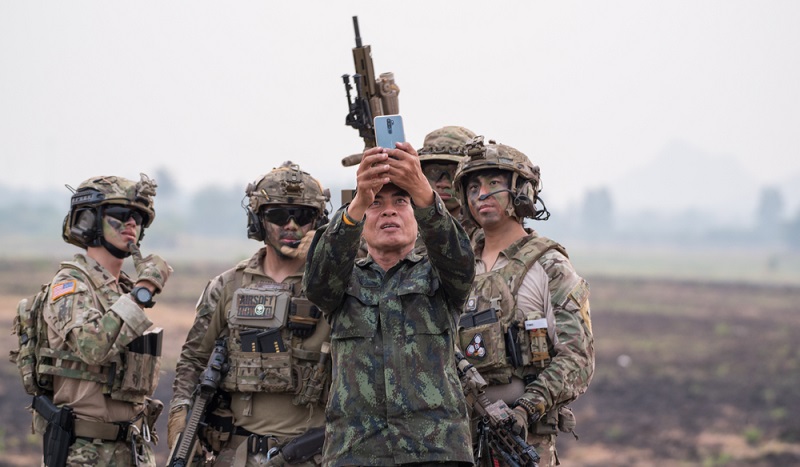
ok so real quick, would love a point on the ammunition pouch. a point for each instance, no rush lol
(141, 374)
(259, 372)
(60, 432)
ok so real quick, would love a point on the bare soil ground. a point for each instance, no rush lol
(687, 374)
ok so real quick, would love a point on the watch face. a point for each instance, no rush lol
(143, 295)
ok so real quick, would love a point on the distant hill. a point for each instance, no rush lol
(685, 178)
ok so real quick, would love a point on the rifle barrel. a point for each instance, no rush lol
(358, 33)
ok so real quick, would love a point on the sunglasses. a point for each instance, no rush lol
(282, 216)
(434, 172)
(123, 213)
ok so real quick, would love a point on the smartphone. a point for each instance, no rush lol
(389, 130)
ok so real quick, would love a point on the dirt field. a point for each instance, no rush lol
(688, 374)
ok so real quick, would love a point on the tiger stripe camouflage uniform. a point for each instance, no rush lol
(395, 394)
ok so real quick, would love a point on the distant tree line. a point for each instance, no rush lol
(216, 211)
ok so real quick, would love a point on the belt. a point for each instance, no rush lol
(255, 443)
(107, 431)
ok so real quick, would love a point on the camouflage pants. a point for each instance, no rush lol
(545, 446)
(108, 453)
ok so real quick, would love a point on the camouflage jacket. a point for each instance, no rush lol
(395, 396)
(571, 368)
(89, 317)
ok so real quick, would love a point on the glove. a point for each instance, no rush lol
(152, 268)
(176, 424)
(533, 406)
(301, 250)
(520, 418)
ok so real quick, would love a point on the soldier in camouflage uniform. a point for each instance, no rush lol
(395, 396)
(277, 382)
(440, 154)
(95, 317)
(526, 326)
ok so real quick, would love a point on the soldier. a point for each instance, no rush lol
(395, 399)
(439, 157)
(104, 366)
(526, 326)
(275, 338)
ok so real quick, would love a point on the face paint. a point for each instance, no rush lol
(288, 234)
(120, 234)
(491, 209)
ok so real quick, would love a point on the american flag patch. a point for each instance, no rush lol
(62, 288)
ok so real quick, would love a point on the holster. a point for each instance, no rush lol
(60, 432)
(305, 446)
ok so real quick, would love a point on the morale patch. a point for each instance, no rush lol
(476, 349)
(260, 308)
(63, 288)
(256, 306)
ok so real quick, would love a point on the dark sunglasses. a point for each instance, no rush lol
(281, 216)
(434, 172)
(123, 213)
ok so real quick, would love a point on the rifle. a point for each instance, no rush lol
(373, 96)
(495, 435)
(185, 447)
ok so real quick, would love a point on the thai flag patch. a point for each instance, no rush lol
(62, 288)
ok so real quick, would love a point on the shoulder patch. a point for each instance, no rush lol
(62, 288)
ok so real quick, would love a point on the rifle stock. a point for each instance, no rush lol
(187, 443)
(373, 96)
(494, 427)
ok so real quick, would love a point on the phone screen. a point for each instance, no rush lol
(389, 130)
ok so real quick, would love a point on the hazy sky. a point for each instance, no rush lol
(224, 91)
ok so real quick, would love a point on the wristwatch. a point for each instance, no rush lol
(143, 296)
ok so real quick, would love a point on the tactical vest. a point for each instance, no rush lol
(264, 354)
(129, 377)
(498, 338)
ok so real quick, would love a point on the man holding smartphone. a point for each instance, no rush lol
(395, 396)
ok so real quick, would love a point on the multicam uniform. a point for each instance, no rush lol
(395, 395)
(553, 331)
(91, 319)
(265, 388)
(96, 359)
(527, 324)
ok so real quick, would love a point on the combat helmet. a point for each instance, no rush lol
(83, 224)
(525, 179)
(445, 144)
(284, 185)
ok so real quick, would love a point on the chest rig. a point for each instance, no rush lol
(273, 340)
(498, 338)
(129, 376)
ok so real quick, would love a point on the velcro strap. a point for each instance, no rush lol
(104, 430)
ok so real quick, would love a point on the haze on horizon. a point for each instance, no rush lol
(595, 93)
